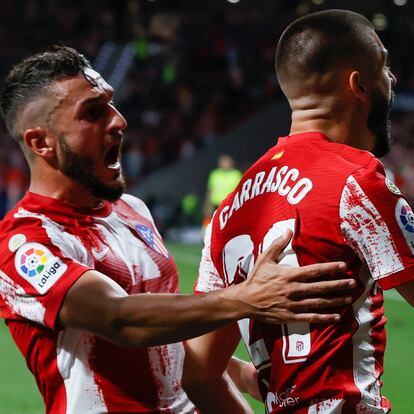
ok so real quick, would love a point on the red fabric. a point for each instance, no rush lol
(72, 368)
(336, 201)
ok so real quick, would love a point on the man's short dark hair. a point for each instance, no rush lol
(317, 42)
(31, 78)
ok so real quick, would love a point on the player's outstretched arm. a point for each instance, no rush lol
(275, 293)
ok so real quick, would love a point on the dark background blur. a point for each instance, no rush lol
(188, 73)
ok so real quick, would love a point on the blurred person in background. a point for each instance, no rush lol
(221, 181)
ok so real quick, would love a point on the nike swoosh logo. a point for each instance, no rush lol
(99, 255)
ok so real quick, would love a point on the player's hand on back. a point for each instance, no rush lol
(283, 293)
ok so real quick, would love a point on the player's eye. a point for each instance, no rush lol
(93, 113)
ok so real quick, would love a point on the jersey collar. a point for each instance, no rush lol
(50, 205)
(313, 135)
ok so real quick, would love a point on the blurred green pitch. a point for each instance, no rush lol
(19, 395)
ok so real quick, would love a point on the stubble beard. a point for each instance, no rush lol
(80, 168)
(379, 124)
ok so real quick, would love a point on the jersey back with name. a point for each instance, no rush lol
(339, 206)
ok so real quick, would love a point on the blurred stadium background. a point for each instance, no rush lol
(195, 79)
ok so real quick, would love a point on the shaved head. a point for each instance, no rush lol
(316, 45)
(334, 71)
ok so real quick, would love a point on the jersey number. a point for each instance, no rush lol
(238, 261)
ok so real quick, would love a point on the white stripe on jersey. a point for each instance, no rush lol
(138, 206)
(19, 302)
(82, 393)
(331, 406)
(366, 231)
(180, 405)
(117, 235)
(159, 245)
(366, 376)
(167, 367)
(68, 244)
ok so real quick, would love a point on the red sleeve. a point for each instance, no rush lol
(36, 272)
(377, 221)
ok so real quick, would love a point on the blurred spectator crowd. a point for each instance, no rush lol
(194, 74)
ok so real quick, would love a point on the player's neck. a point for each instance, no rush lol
(62, 188)
(345, 127)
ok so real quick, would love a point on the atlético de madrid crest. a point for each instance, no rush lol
(152, 239)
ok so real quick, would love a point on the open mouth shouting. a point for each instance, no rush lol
(112, 158)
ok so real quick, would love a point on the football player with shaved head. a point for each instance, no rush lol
(324, 183)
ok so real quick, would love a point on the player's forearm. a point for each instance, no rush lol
(98, 305)
(244, 376)
(150, 319)
(218, 395)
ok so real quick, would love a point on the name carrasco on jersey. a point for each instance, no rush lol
(284, 180)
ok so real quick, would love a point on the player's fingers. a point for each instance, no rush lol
(304, 317)
(318, 269)
(321, 288)
(277, 247)
(317, 317)
(319, 303)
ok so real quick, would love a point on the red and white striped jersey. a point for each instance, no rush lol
(47, 245)
(340, 206)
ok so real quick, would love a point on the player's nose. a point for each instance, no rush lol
(117, 121)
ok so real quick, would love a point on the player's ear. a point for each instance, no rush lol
(39, 142)
(357, 85)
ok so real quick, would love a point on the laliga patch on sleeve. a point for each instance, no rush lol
(405, 219)
(36, 264)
